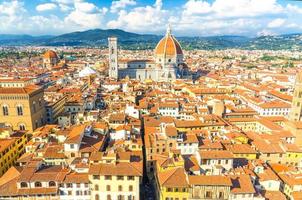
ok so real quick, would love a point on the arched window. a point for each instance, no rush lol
(22, 127)
(24, 185)
(38, 184)
(19, 110)
(52, 184)
(34, 107)
(5, 110)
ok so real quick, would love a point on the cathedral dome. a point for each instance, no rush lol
(168, 46)
(50, 54)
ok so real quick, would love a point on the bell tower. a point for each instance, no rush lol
(113, 66)
(296, 109)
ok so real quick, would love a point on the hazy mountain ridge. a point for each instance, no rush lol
(128, 40)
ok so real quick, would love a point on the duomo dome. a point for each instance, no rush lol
(168, 50)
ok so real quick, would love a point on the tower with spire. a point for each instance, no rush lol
(113, 57)
(296, 108)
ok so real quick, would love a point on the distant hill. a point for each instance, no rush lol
(128, 40)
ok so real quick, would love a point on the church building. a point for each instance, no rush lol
(168, 63)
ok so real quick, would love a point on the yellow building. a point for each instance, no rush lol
(293, 155)
(242, 151)
(12, 145)
(120, 180)
(172, 184)
(22, 108)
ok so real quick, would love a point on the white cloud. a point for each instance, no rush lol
(14, 18)
(141, 19)
(46, 7)
(86, 15)
(276, 23)
(194, 17)
(121, 4)
(66, 5)
(197, 7)
(227, 17)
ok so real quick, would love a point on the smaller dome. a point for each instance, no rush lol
(50, 54)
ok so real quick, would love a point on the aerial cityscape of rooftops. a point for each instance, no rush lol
(172, 100)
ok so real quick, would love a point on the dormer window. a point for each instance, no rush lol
(52, 184)
(23, 185)
(38, 184)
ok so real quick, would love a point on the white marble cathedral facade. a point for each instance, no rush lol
(168, 63)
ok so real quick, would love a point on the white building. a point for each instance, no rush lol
(167, 65)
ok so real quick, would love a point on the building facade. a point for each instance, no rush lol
(50, 59)
(168, 63)
(22, 108)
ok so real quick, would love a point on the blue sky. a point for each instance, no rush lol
(187, 17)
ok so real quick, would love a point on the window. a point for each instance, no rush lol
(108, 188)
(96, 177)
(120, 178)
(34, 107)
(131, 178)
(24, 185)
(221, 195)
(107, 177)
(108, 197)
(72, 146)
(22, 127)
(120, 188)
(97, 197)
(19, 110)
(208, 194)
(38, 184)
(96, 188)
(5, 110)
(130, 188)
(169, 189)
(52, 184)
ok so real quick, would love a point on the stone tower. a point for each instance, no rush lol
(296, 109)
(113, 66)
